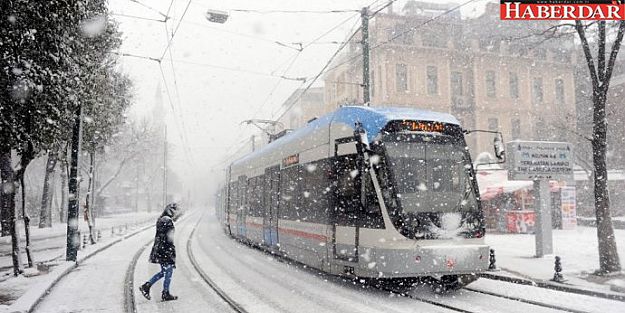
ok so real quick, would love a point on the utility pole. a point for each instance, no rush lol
(73, 238)
(165, 169)
(364, 13)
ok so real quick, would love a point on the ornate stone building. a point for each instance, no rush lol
(483, 70)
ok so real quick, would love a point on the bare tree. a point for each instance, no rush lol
(45, 212)
(600, 78)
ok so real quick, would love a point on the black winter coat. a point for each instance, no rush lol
(164, 250)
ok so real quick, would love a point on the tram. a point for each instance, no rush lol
(370, 192)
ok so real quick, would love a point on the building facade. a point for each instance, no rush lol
(481, 70)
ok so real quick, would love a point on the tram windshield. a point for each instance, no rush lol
(430, 176)
(433, 192)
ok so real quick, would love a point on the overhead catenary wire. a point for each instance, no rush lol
(411, 29)
(171, 104)
(138, 17)
(343, 44)
(290, 45)
(317, 76)
(173, 34)
(150, 8)
(295, 59)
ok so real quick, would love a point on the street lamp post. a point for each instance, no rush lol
(73, 238)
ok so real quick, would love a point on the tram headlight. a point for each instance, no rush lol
(417, 259)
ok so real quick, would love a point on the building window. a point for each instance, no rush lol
(401, 77)
(539, 131)
(537, 91)
(559, 91)
(456, 84)
(514, 85)
(491, 89)
(432, 78)
(540, 53)
(516, 128)
(401, 34)
(493, 124)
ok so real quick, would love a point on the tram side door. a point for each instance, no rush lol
(272, 200)
(345, 235)
(242, 203)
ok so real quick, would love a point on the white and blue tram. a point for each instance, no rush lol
(363, 191)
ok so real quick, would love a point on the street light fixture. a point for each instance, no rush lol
(215, 16)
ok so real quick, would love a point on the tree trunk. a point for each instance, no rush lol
(88, 201)
(608, 253)
(45, 213)
(5, 218)
(600, 78)
(26, 218)
(120, 167)
(52, 199)
(8, 194)
(148, 194)
(64, 191)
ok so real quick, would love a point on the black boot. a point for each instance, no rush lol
(145, 290)
(168, 297)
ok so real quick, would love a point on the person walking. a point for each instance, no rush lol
(163, 253)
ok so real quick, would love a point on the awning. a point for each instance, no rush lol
(491, 193)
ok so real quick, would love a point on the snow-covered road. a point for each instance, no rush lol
(260, 282)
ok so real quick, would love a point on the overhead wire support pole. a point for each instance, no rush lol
(365, 56)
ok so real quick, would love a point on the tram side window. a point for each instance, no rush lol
(260, 181)
(371, 216)
(257, 206)
(233, 198)
(290, 193)
(252, 196)
(347, 191)
(316, 187)
(349, 210)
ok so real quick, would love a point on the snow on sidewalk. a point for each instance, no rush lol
(515, 253)
(97, 285)
(104, 222)
(21, 291)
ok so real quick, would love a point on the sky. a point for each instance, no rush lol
(213, 76)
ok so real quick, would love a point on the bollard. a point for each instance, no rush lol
(557, 276)
(84, 240)
(491, 260)
(99, 235)
(76, 241)
(112, 231)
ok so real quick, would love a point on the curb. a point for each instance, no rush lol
(29, 300)
(555, 286)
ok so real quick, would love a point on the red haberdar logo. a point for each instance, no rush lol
(562, 10)
(450, 262)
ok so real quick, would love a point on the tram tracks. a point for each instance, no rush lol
(223, 295)
(130, 303)
(467, 300)
(546, 305)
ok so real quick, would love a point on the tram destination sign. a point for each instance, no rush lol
(539, 160)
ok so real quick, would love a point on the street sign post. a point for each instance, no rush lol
(540, 161)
